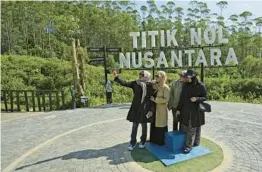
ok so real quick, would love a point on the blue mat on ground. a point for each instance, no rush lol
(168, 157)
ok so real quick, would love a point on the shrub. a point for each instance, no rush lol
(25, 72)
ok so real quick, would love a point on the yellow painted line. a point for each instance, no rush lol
(13, 165)
(225, 163)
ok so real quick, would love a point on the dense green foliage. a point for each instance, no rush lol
(24, 72)
(44, 28)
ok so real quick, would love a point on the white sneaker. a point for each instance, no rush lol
(142, 146)
(131, 147)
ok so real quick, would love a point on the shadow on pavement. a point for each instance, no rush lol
(115, 155)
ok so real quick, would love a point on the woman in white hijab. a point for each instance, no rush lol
(159, 127)
(135, 115)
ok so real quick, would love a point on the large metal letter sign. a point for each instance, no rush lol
(181, 57)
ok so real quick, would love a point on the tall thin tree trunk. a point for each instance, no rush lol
(42, 40)
(81, 61)
(75, 67)
(49, 45)
(260, 48)
(9, 38)
(34, 37)
(26, 31)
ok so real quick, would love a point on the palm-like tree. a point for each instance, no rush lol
(165, 11)
(171, 8)
(246, 24)
(222, 5)
(179, 13)
(144, 11)
(258, 22)
(116, 6)
(107, 4)
(220, 19)
(129, 9)
(193, 3)
(234, 20)
(96, 3)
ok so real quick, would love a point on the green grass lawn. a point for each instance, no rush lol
(199, 164)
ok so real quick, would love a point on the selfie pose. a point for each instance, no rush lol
(135, 114)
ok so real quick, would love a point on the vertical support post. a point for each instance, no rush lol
(33, 99)
(63, 97)
(38, 100)
(43, 100)
(154, 65)
(57, 100)
(50, 100)
(12, 101)
(26, 102)
(105, 67)
(153, 72)
(202, 73)
(73, 97)
(5, 100)
(18, 100)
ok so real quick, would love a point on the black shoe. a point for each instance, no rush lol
(195, 145)
(187, 150)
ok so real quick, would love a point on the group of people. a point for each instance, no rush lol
(153, 99)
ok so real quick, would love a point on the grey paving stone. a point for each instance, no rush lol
(103, 147)
(114, 169)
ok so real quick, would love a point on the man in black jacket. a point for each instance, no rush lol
(135, 114)
(192, 119)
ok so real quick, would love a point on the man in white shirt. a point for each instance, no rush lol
(109, 91)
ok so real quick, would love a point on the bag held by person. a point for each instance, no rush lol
(204, 107)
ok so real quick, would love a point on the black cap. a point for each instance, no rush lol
(190, 73)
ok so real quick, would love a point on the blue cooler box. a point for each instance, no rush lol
(175, 141)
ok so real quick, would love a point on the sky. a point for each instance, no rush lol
(234, 6)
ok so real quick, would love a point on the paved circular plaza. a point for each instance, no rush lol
(96, 139)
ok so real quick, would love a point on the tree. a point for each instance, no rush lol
(179, 13)
(245, 16)
(144, 11)
(116, 6)
(258, 36)
(220, 19)
(222, 5)
(234, 19)
(171, 8)
(44, 28)
(204, 14)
